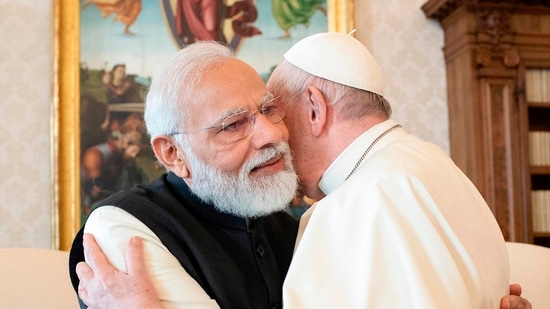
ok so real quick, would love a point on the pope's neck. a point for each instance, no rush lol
(338, 136)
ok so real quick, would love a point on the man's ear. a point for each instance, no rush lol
(317, 110)
(172, 157)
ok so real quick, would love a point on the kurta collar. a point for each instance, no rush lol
(336, 173)
(207, 211)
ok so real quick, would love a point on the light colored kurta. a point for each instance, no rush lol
(406, 230)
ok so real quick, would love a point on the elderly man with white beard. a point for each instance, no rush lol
(213, 228)
(320, 128)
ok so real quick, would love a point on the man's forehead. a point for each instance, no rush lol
(243, 106)
(266, 97)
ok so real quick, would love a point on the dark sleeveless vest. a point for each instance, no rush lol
(241, 263)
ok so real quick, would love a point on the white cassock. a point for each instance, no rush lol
(407, 230)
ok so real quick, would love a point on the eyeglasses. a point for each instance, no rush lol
(239, 125)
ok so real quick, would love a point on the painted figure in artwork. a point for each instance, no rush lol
(290, 13)
(196, 20)
(120, 88)
(125, 11)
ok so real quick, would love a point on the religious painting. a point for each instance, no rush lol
(106, 54)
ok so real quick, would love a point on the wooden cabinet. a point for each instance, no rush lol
(490, 49)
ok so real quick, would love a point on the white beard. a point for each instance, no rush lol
(242, 195)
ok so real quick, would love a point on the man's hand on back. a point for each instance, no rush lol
(103, 286)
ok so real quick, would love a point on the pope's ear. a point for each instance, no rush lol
(317, 110)
(171, 156)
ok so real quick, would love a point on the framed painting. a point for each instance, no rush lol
(105, 52)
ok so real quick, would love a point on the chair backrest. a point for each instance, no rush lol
(530, 267)
(35, 278)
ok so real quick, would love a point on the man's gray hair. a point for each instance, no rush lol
(174, 85)
(351, 103)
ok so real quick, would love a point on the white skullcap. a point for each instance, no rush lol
(337, 57)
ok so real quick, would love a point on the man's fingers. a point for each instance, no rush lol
(93, 254)
(83, 271)
(515, 289)
(82, 293)
(85, 274)
(135, 261)
(514, 300)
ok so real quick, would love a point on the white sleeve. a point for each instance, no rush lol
(113, 227)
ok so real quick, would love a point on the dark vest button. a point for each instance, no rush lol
(261, 250)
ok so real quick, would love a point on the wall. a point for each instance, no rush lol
(407, 45)
(25, 101)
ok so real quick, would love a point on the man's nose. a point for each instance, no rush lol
(265, 133)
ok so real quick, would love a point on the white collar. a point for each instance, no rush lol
(340, 168)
